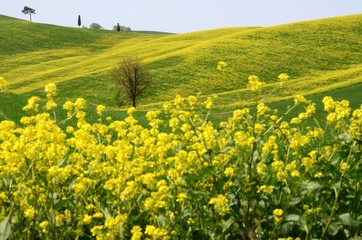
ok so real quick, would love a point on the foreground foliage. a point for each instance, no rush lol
(255, 176)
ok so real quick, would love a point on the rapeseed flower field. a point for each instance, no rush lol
(254, 175)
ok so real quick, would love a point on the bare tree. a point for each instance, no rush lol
(131, 77)
(28, 10)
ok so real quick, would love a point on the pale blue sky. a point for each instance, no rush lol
(179, 16)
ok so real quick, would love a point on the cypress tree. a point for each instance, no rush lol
(79, 21)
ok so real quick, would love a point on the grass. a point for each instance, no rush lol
(11, 106)
(321, 56)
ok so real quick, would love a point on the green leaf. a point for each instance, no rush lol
(356, 238)
(309, 187)
(225, 149)
(337, 185)
(295, 201)
(232, 199)
(186, 213)
(207, 224)
(333, 229)
(161, 220)
(346, 219)
(207, 171)
(286, 228)
(106, 212)
(191, 177)
(303, 225)
(227, 224)
(261, 203)
(292, 217)
(5, 227)
(287, 190)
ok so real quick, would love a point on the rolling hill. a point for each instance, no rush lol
(320, 56)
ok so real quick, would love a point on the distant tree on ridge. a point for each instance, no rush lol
(120, 28)
(79, 21)
(96, 26)
(28, 10)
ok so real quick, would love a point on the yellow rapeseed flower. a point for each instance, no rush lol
(255, 84)
(51, 90)
(136, 233)
(291, 166)
(29, 212)
(80, 104)
(131, 110)
(344, 167)
(307, 162)
(43, 226)
(68, 106)
(299, 99)
(266, 189)
(100, 109)
(221, 65)
(283, 77)
(229, 172)
(181, 197)
(192, 100)
(87, 219)
(33, 104)
(277, 214)
(3, 87)
(221, 204)
(50, 105)
(150, 230)
(295, 173)
(329, 104)
(208, 103)
(98, 215)
(261, 169)
(318, 175)
(190, 221)
(151, 115)
(262, 110)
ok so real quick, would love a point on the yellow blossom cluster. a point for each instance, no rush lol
(337, 110)
(255, 84)
(278, 214)
(221, 66)
(221, 204)
(283, 77)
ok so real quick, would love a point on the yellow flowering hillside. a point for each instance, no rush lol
(320, 56)
(253, 176)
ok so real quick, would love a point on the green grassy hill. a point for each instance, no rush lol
(320, 56)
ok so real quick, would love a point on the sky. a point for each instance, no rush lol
(179, 16)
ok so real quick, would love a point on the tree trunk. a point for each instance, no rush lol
(134, 102)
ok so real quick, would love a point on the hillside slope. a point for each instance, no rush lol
(319, 56)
